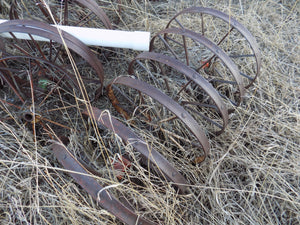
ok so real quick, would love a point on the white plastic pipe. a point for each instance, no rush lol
(136, 40)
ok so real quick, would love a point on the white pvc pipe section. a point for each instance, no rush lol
(136, 40)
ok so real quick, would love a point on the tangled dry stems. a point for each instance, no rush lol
(252, 175)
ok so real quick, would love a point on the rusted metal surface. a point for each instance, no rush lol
(231, 22)
(167, 102)
(193, 76)
(121, 164)
(66, 8)
(84, 178)
(37, 97)
(217, 53)
(46, 31)
(39, 85)
(130, 138)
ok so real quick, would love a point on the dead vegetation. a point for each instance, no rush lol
(252, 175)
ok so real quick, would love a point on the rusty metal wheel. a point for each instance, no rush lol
(148, 153)
(45, 81)
(70, 12)
(39, 94)
(149, 108)
(227, 33)
(206, 58)
(79, 13)
(48, 80)
(172, 76)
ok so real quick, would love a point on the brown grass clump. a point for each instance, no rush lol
(252, 175)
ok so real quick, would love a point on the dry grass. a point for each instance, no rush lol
(252, 175)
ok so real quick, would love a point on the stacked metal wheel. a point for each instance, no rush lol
(195, 74)
(204, 61)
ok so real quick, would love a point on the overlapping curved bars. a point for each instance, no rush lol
(86, 181)
(48, 16)
(46, 31)
(130, 138)
(167, 102)
(217, 52)
(10, 80)
(97, 10)
(230, 21)
(192, 75)
(48, 80)
(42, 76)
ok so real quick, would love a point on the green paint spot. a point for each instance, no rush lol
(43, 83)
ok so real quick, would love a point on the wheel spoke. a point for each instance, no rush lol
(200, 104)
(185, 51)
(228, 99)
(11, 84)
(177, 21)
(168, 46)
(190, 81)
(52, 90)
(66, 4)
(202, 24)
(225, 36)
(245, 75)
(63, 108)
(83, 21)
(10, 104)
(37, 46)
(177, 42)
(205, 117)
(56, 123)
(222, 81)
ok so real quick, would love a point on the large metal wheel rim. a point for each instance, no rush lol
(46, 31)
(233, 22)
(214, 49)
(39, 99)
(170, 104)
(88, 4)
(190, 73)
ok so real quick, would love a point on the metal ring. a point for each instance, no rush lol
(167, 102)
(192, 75)
(214, 49)
(232, 22)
